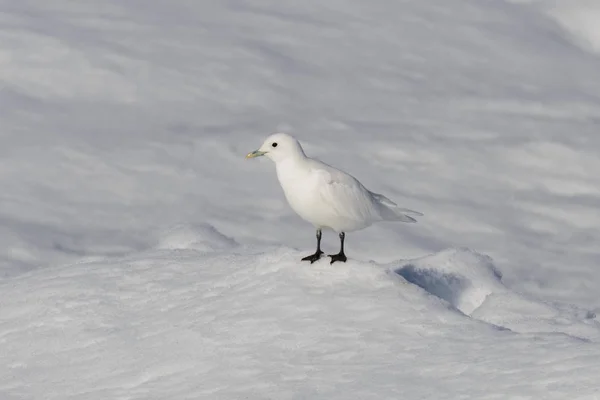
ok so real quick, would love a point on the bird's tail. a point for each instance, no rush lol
(390, 211)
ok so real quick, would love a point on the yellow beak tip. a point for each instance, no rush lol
(256, 153)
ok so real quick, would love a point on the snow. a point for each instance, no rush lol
(246, 323)
(141, 256)
(472, 284)
(579, 19)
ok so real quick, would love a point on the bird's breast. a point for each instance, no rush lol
(301, 191)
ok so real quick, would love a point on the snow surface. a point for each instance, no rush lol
(142, 257)
(246, 323)
(580, 20)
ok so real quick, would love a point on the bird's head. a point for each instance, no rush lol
(279, 147)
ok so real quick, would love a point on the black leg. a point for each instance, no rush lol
(339, 256)
(314, 257)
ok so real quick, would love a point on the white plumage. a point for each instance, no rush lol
(323, 195)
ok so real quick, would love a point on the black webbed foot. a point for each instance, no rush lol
(313, 257)
(337, 257)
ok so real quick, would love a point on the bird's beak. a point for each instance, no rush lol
(256, 153)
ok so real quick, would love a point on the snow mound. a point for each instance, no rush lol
(199, 237)
(462, 277)
(234, 323)
(471, 283)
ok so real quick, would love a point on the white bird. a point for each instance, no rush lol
(325, 196)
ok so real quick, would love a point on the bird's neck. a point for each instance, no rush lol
(292, 166)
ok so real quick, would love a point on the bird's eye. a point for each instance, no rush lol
(274, 145)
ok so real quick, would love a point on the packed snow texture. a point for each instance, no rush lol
(142, 257)
(242, 323)
(580, 20)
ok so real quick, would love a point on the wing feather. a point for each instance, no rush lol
(347, 201)
(345, 195)
(389, 203)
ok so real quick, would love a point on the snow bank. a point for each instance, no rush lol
(462, 277)
(471, 283)
(182, 321)
(200, 237)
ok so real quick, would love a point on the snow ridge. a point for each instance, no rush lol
(471, 283)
